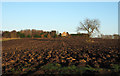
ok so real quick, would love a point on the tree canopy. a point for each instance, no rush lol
(89, 25)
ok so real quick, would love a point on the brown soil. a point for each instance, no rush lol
(34, 53)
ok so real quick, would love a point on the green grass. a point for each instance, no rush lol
(116, 67)
(56, 68)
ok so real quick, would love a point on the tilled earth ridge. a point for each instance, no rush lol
(27, 56)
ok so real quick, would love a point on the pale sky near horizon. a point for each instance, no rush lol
(60, 16)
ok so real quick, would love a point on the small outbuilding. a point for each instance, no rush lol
(65, 34)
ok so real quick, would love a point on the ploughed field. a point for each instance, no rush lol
(70, 55)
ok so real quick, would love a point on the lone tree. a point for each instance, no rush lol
(89, 25)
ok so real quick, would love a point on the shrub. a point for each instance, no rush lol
(22, 35)
(41, 33)
(28, 36)
(55, 36)
(45, 35)
(37, 36)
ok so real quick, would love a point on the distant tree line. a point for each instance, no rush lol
(38, 34)
(29, 34)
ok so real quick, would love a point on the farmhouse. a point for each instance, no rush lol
(65, 34)
(107, 37)
(115, 36)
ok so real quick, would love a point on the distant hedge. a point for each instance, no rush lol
(75, 34)
(83, 35)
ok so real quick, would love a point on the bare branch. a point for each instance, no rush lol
(90, 26)
(84, 27)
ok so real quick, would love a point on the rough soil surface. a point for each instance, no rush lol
(26, 56)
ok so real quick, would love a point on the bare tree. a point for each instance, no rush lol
(90, 26)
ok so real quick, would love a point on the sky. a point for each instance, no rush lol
(60, 0)
(60, 16)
